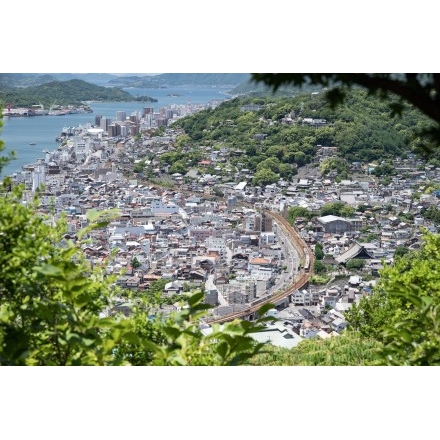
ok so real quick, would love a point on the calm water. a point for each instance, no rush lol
(17, 133)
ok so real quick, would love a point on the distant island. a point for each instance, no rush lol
(63, 93)
(181, 79)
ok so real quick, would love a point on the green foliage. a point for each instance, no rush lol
(340, 209)
(406, 216)
(50, 297)
(431, 188)
(369, 238)
(182, 140)
(401, 251)
(139, 167)
(432, 213)
(403, 311)
(155, 293)
(160, 131)
(355, 263)
(334, 164)
(265, 177)
(386, 169)
(319, 280)
(319, 252)
(295, 212)
(135, 263)
(230, 344)
(178, 167)
(145, 329)
(178, 340)
(217, 191)
(4, 160)
(320, 268)
(271, 163)
(161, 182)
(399, 94)
(180, 161)
(348, 349)
(364, 129)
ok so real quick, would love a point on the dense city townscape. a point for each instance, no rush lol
(218, 232)
(264, 214)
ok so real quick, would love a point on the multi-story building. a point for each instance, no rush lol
(121, 116)
(238, 292)
(201, 234)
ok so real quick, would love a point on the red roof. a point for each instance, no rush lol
(259, 260)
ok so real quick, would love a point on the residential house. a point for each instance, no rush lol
(308, 330)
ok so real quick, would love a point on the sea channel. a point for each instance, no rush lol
(29, 136)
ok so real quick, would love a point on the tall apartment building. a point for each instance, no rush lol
(121, 116)
(257, 222)
(104, 123)
(147, 111)
(38, 177)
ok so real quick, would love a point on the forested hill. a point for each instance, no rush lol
(251, 88)
(71, 92)
(36, 79)
(363, 128)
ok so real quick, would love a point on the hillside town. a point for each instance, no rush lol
(210, 229)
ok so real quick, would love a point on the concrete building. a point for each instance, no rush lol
(334, 225)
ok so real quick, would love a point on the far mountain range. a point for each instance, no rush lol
(111, 80)
(24, 89)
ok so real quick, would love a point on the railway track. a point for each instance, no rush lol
(299, 281)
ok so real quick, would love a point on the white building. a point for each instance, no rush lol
(267, 238)
(81, 147)
(38, 177)
(216, 244)
(158, 207)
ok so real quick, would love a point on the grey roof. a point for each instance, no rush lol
(279, 335)
(354, 251)
(329, 218)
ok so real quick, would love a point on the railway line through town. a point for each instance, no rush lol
(299, 280)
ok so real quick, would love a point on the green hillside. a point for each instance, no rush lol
(348, 349)
(72, 92)
(253, 89)
(36, 79)
(363, 128)
(8, 80)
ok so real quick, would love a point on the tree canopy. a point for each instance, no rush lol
(403, 313)
(420, 90)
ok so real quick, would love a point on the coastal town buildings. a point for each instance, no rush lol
(210, 229)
